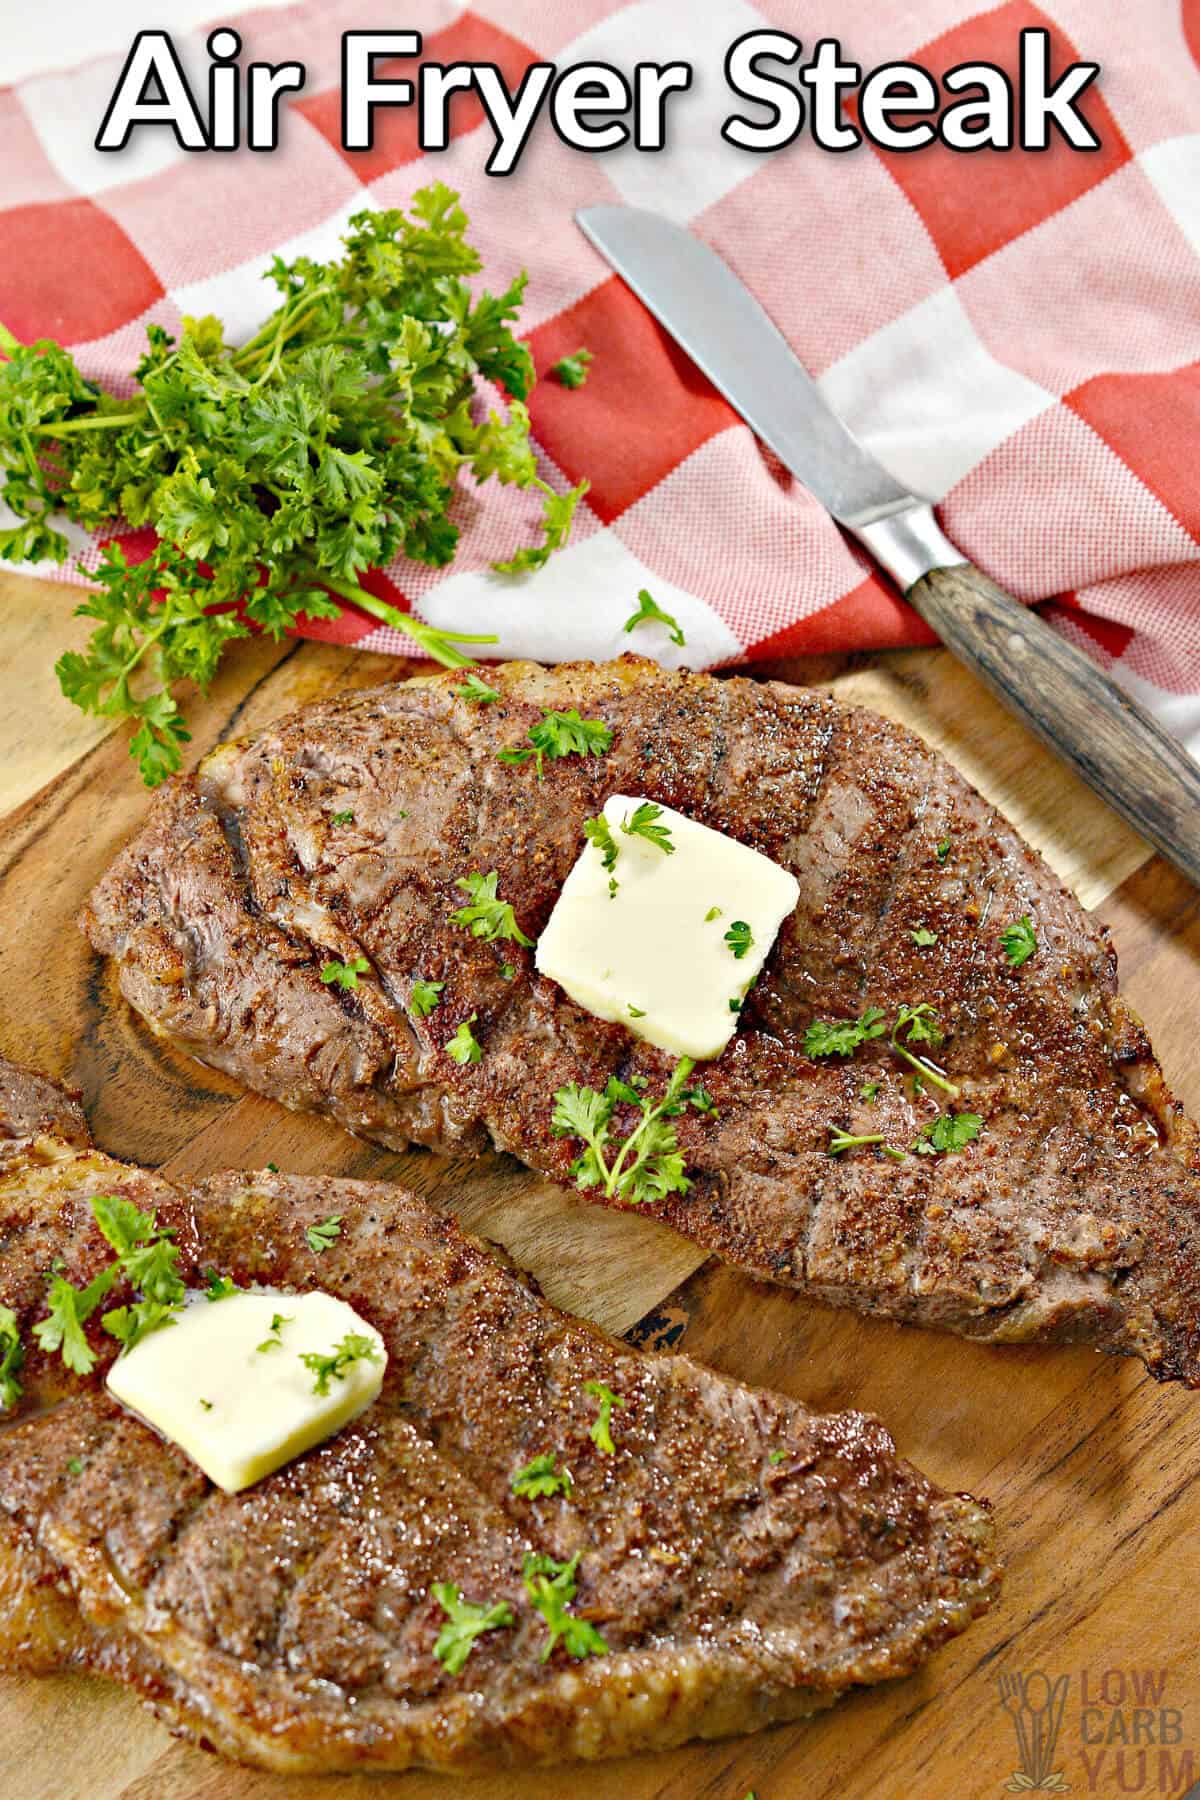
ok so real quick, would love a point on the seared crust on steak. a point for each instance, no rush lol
(292, 1626)
(1076, 1214)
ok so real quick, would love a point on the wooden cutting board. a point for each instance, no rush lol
(1089, 1464)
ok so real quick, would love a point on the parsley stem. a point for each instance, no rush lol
(92, 422)
(440, 645)
(925, 1068)
(612, 1186)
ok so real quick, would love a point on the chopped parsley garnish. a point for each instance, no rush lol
(642, 822)
(345, 974)
(464, 1047)
(423, 996)
(598, 832)
(601, 1429)
(922, 937)
(551, 1587)
(843, 1140)
(207, 1405)
(842, 1037)
(75, 1465)
(476, 690)
(327, 444)
(776, 1456)
(275, 1340)
(485, 916)
(220, 1287)
(943, 850)
(949, 1131)
(146, 1258)
(507, 971)
(341, 818)
(714, 912)
(636, 1012)
(649, 610)
(919, 1025)
(540, 1478)
(701, 1099)
(572, 370)
(354, 1347)
(561, 734)
(740, 938)
(648, 1164)
(12, 1355)
(869, 1089)
(322, 1237)
(274, 1168)
(1019, 941)
(465, 1622)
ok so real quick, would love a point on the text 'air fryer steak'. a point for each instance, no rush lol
(341, 832)
(742, 1560)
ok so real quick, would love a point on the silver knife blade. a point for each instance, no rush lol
(701, 302)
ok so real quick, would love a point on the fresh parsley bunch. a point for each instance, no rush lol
(276, 473)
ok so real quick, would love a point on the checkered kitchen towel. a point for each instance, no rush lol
(1017, 336)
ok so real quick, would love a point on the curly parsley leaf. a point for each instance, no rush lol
(922, 937)
(648, 612)
(423, 996)
(345, 974)
(464, 1047)
(540, 1478)
(551, 1587)
(572, 371)
(920, 1025)
(601, 1427)
(323, 1236)
(354, 1347)
(558, 513)
(12, 1356)
(220, 1287)
(842, 1037)
(341, 818)
(643, 823)
(275, 473)
(485, 916)
(648, 1164)
(948, 1132)
(1019, 941)
(465, 1621)
(599, 832)
(560, 734)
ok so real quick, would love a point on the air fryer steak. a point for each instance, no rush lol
(340, 833)
(743, 1560)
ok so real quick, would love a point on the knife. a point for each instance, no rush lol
(1145, 774)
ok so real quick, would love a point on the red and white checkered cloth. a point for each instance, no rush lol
(1017, 336)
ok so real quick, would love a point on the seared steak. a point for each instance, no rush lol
(745, 1561)
(340, 831)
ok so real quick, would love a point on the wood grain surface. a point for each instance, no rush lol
(1091, 1466)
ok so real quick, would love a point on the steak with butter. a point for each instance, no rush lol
(737, 1560)
(340, 835)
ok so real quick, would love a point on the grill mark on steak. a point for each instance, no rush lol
(1076, 1215)
(291, 1626)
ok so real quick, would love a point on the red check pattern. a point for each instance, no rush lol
(1016, 335)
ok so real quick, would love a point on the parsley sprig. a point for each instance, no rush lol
(948, 1132)
(323, 1236)
(345, 974)
(146, 1257)
(12, 1356)
(648, 612)
(485, 916)
(332, 1366)
(560, 734)
(1019, 941)
(917, 1024)
(648, 1165)
(275, 474)
(601, 1427)
(572, 371)
(643, 822)
(465, 1621)
(541, 1478)
(551, 1587)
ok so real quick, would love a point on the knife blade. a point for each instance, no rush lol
(1060, 693)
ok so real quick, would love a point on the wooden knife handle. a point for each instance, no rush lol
(1143, 772)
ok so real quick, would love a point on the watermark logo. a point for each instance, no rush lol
(1035, 1704)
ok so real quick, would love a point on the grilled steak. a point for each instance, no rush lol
(745, 1561)
(340, 831)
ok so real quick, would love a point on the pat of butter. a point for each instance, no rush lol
(655, 953)
(238, 1410)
